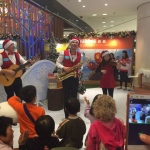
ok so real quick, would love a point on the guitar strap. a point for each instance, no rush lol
(17, 59)
(28, 113)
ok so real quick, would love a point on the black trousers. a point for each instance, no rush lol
(70, 89)
(110, 91)
(123, 78)
(14, 88)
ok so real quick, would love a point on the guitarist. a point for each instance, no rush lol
(7, 58)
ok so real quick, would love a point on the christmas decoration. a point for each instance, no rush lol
(82, 87)
(9, 36)
(52, 55)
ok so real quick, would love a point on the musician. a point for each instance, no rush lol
(7, 58)
(107, 68)
(65, 61)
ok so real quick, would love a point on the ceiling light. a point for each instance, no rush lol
(111, 21)
(94, 15)
(76, 20)
(112, 25)
(79, 0)
(104, 14)
(104, 26)
(103, 22)
(83, 6)
(85, 27)
(106, 4)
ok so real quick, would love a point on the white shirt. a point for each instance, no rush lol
(4, 146)
(12, 58)
(59, 62)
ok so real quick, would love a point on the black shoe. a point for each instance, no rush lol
(125, 89)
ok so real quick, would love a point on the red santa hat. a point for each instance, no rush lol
(7, 43)
(104, 53)
(75, 39)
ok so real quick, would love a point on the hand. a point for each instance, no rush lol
(104, 71)
(23, 137)
(66, 69)
(10, 72)
(145, 138)
(118, 66)
(32, 61)
(86, 100)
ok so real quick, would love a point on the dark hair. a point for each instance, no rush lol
(5, 122)
(28, 93)
(73, 106)
(126, 54)
(112, 55)
(91, 109)
(44, 126)
(104, 62)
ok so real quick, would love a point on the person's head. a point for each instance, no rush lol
(104, 108)
(95, 98)
(74, 44)
(28, 94)
(6, 132)
(45, 126)
(125, 54)
(8, 45)
(73, 106)
(105, 56)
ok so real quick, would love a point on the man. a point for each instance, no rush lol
(66, 60)
(7, 58)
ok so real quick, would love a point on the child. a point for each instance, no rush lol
(107, 132)
(107, 68)
(72, 129)
(44, 126)
(88, 113)
(28, 94)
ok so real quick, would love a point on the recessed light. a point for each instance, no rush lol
(106, 4)
(76, 20)
(64, 35)
(79, 0)
(85, 27)
(112, 25)
(103, 22)
(83, 6)
(94, 15)
(104, 26)
(104, 14)
(111, 21)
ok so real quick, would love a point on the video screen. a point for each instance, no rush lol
(139, 120)
(139, 111)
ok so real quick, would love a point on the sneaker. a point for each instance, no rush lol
(119, 88)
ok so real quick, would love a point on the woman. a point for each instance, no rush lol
(124, 66)
(107, 68)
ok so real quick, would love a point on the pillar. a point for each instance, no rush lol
(143, 39)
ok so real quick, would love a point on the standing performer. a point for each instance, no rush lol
(107, 68)
(7, 58)
(66, 60)
(124, 67)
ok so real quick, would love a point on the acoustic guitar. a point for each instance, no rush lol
(8, 79)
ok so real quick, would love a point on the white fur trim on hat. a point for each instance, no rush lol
(74, 40)
(8, 44)
(106, 53)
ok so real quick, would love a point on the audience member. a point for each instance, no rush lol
(44, 127)
(72, 129)
(107, 132)
(27, 112)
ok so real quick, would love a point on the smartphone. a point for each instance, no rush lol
(137, 121)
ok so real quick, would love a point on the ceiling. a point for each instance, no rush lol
(122, 12)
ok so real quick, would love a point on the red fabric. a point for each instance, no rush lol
(6, 61)
(112, 137)
(124, 64)
(67, 61)
(10, 53)
(107, 80)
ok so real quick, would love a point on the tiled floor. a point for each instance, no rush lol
(119, 95)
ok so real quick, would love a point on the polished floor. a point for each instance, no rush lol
(119, 95)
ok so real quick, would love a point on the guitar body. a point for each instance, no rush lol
(6, 79)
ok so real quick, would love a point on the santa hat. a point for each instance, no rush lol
(7, 43)
(75, 39)
(104, 53)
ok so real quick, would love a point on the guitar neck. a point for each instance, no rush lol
(22, 66)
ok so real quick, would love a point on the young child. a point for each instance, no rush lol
(107, 132)
(28, 94)
(88, 113)
(72, 129)
(107, 68)
(44, 127)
